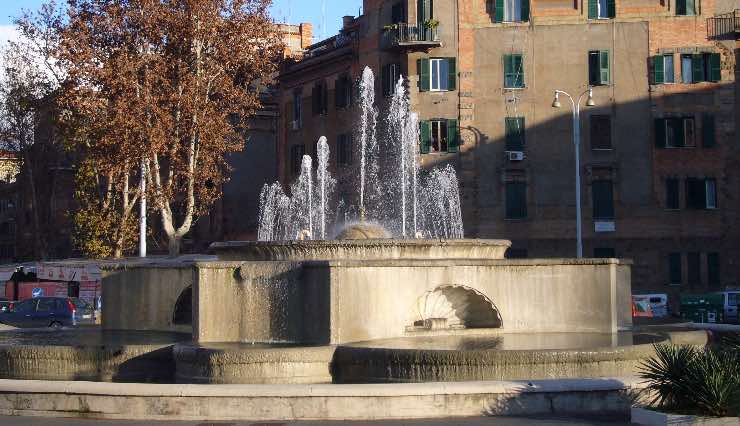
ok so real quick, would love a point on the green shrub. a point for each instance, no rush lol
(690, 380)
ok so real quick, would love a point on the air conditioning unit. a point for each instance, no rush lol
(295, 124)
(515, 155)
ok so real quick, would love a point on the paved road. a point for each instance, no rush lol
(478, 421)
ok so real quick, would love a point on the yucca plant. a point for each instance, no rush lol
(691, 380)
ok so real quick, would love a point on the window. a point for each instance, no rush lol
(708, 131)
(693, 263)
(343, 92)
(344, 150)
(398, 14)
(713, 275)
(513, 71)
(45, 305)
(25, 306)
(701, 194)
(516, 200)
(598, 67)
(700, 67)
(319, 98)
(390, 74)
(601, 132)
(437, 74)
(603, 199)
(601, 9)
(439, 136)
(674, 268)
(296, 157)
(510, 10)
(514, 133)
(663, 71)
(424, 11)
(685, 7)
(675, 132)
(516, 253)
(671, 194)
(297, 108)
(605, 253)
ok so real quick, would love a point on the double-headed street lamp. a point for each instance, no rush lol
(577, 144)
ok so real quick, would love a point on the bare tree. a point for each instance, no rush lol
(28, 89)
(168, 84)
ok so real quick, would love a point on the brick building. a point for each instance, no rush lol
(659, 152)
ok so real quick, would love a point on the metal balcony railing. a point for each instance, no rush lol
(725, 26)
(400, 35)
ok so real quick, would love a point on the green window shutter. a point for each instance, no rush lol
(697, 68)
(514, 133)
(453, 136)
(339, 99)
(658, 70)
(425, 134)
(715, 73)
(660, 132)
(518, 70)
(498, 15)
(423, 65)
(593, 9)
(525, 10)
(611, 8)
(508, 70)
(604, 74)
(709, 138)
(451, 74)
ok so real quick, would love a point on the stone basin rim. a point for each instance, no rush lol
(367, 242)
(361, 249)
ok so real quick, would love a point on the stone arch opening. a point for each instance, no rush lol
(457, 307)
(183, 314)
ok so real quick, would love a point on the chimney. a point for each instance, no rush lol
(347, 21)
(306, 30)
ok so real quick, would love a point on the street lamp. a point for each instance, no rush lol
(577, 145)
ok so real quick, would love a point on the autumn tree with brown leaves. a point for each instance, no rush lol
(167, 84)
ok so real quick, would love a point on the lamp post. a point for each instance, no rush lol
(577, 145)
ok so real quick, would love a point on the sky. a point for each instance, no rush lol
(325, 15)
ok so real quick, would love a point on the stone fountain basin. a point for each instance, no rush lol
(372, 249)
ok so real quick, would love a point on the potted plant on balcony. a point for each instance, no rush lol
(431, 24)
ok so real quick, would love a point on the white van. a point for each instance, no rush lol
(658, 303)
(731, 302)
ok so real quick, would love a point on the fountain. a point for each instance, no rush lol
(413, 205)
(398, 295)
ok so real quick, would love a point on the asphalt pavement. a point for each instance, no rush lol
(476, 421)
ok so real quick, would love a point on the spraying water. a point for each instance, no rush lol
(367, 136)
(393, 190)
(322, 152)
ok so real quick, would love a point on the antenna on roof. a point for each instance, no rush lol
(323, 19)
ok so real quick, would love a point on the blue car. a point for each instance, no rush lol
(48, 312)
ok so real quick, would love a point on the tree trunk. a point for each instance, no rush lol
(174, 243)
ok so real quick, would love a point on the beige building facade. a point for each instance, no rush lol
(657, 148)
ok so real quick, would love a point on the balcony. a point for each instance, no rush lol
(725, 26)
(411, 36)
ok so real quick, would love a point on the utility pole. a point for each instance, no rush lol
(142, 212)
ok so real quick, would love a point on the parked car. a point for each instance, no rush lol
(731, 305)
(48, 312)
